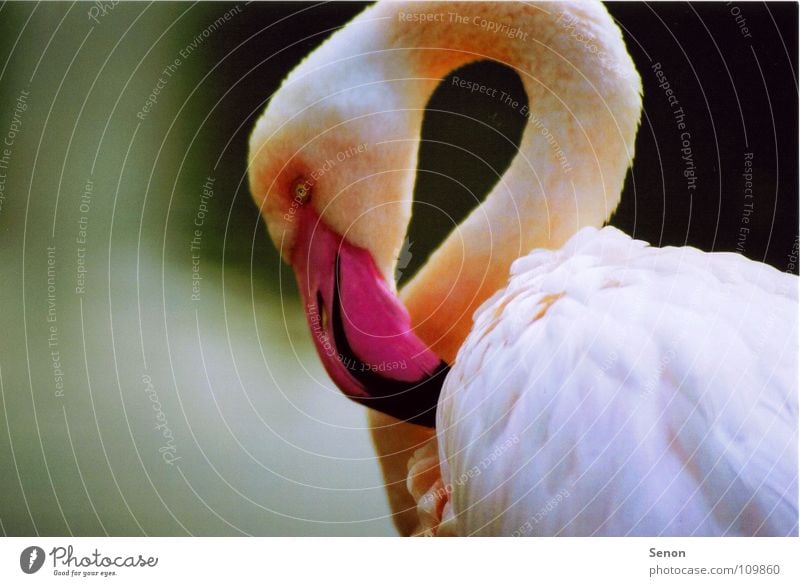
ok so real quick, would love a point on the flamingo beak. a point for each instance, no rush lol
(360, 328)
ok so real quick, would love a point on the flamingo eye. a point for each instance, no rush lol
(301, 190)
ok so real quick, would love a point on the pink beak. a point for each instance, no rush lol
(361, 329)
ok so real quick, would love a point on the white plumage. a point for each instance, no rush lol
(614, 388)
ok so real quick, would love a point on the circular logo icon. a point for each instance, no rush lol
(31, 559)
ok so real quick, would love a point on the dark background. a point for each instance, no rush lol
(739, 95)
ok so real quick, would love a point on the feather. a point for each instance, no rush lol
(613, 388)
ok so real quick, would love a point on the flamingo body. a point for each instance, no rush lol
(613, 388)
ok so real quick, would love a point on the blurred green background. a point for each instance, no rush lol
(227, 382)
(155, 408)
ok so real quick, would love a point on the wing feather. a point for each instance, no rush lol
(618, 389)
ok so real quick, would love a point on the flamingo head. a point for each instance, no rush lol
(336, 199)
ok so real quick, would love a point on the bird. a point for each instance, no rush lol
(543, 374)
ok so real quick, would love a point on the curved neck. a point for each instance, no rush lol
(584, 96)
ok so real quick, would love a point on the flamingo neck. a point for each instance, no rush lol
(584, 96)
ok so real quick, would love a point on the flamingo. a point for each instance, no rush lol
(541, 374)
